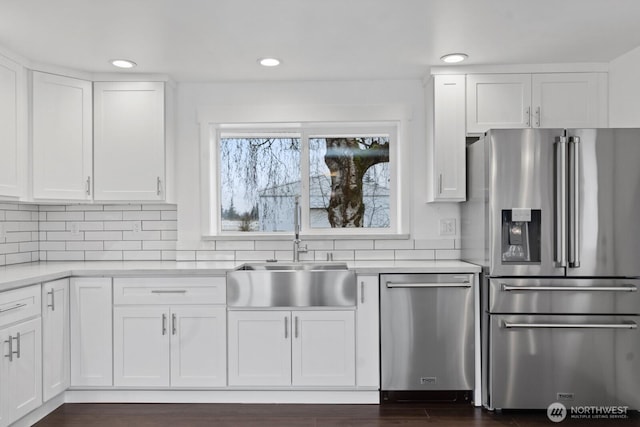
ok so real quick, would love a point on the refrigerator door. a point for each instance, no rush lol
(604, 228)
(523, 235)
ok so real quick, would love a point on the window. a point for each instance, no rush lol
(342, 173)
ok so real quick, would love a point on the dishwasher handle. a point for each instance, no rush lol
(464, 284)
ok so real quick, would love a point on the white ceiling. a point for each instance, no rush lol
(221, 40)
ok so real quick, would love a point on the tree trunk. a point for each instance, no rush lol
(348, 163)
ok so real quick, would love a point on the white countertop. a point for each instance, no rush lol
(18, 275)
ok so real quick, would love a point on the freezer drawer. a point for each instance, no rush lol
(564, 296)
(426, 332)
(576, 360)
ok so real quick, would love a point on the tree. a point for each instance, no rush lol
(348, 159)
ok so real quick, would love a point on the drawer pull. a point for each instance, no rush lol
(17, 352)
(169, 291)
(174, 329)
(624, 288)
(15, 307)
(164, 324)
(53, 300)
(629, 325)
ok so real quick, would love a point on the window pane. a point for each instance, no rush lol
(259, 178)
(349, 182)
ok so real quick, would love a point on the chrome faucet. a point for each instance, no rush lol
(297, 214)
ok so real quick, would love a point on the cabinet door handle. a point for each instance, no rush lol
(527, 115)
(164, 324)
(537, 117)
(296, 327)
(362, 292)
(88, 186)
(53, 300)
(439, 183)
(158, 186)
(173, 324)
(10, 355)
(15, 307)
(17, 352)
(286, 328)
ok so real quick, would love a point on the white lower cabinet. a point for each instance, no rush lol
(20, 370)
(368, 332)
(55, 338)
(159, 346)
(91, 332)
(285, 348)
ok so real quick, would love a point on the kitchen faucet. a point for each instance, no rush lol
(297, 213)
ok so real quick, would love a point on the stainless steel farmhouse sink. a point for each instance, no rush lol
(291, 285)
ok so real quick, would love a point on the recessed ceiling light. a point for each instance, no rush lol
(269, 62)
(123, 63)
(454, 57)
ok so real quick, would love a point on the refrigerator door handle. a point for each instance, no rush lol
(561, 202)
(623, 288)
(574, 202)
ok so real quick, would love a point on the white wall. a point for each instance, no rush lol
(624, 90)
(192, 97)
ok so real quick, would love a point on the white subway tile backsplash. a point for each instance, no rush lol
(142, 255)
(18, 258)
(28, 247)
(70, 208)
(419, 254)
(141, 215)
(103, 256)
(103, 235)
(374, 255)
(185, 255)
(434, 244)
(159, 207)
(66, 216)
(393, 244)
(103, 216)
(65, 256)
(52, 246)
(86, 226)
(122, 225)
(123, 245)
(85, 246)
(274, 245)
(159, 225)
(255, 255)
(52, 208)
(235, 245)
(168, 215)
(353, 244)
(63, 235)
(17, 216)
(318, 245)
(150, 245)
(19, 236)
(215, 256)
(122, 207)
(168, 255)
(169, 235)
(9, 248)
(53, 226)
(448, 254)
(141, 235)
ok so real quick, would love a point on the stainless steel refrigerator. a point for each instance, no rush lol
(553, 216)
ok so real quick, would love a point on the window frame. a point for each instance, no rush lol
(318, 121)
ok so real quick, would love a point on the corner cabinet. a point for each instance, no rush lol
(291, 348)
(61, 137)
(13, 119)
(91, 332)
(543, 100)
(129, 141)
(446, 139)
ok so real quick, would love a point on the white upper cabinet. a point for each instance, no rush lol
(129, 141)
(497, 101)
(544, 100)
(569, 100)
(446, 144)
(61, 137)
(12, 127)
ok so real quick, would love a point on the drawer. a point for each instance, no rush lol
(169, 290)
(19, 304)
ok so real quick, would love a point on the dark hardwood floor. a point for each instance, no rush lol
(239, 415)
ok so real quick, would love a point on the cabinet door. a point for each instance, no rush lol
(259, 348)
(449, 139)
(12, 128)
(198, 346)
(567, 100)
(368, 333)
(24, 371)
(91, 332)
(4, 374)
(323, 349)
(61, 137)
(129, 149)
(498, 101)
(141, 346)
(55, 338)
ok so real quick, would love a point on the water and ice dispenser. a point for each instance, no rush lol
(521, 236)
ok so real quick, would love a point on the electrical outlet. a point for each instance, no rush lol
(447, 227)
(75, 228)
(136, 227)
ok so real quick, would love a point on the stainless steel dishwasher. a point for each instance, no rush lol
(426, 333)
